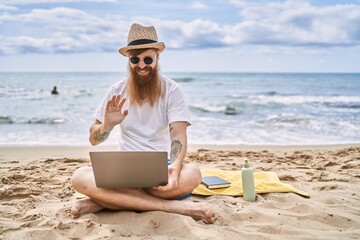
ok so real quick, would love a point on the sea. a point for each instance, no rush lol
(225, 108)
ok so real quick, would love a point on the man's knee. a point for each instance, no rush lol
(80, 179)
(193, 174)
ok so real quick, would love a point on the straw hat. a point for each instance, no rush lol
(142, 37)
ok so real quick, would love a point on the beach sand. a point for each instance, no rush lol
(35, 197)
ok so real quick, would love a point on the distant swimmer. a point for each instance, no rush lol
(54, 91)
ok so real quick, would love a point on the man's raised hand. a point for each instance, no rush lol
(113, 113)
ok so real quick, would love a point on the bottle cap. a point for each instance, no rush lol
(246, 164)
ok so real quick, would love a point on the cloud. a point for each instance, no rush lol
(194, 34)
(61, 30)
(288, 24)
(23, 2)
(294, 23)
(199, 6)
(7, 8)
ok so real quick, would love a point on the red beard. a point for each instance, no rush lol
(143, 80)
(144, 88)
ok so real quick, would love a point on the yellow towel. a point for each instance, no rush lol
(265, 182)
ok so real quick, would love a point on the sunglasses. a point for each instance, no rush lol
(147, 60)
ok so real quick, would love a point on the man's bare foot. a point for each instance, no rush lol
(196, 210)
(84, 206)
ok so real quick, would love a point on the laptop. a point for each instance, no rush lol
(129, 169)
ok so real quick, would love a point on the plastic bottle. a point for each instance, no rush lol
(248, 183)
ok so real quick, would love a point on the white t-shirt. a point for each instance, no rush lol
(146, 127)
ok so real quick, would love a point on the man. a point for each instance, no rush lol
(54, 91)
(152, 115)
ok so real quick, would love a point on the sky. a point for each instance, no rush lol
(200, 36)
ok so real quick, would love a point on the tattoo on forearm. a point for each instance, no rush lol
(176, 147)
(100, 137)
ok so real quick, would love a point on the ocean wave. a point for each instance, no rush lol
(13, 120)
(5, 120)
(285, 119)
(208, 109)
(274, 103)
(45, 121)
(184, 79)
(288, 100)
(23, 93)
(350, 105)
(270, 93)
(229, 109)
(83, 93)
(42, 94)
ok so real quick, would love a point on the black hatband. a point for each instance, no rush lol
(141, 41)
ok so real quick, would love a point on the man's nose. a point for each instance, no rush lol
(141, 64)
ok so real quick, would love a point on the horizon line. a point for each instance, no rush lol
(244, 72)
